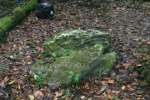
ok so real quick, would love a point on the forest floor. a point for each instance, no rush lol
(129, 26)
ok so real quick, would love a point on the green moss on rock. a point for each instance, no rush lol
(76, 54)
(6, 23)
(75, 39)
(18, 14)
(29, 6)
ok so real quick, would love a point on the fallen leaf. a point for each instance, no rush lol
(130, 88)
(126, 65)
(11, 82)
(109, 95)
(111, 81)
(58, 94)
(38, 94)
(87, 86)
(103, 89)
(31, 97)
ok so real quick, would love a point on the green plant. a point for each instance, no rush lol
(39, 79)
(19, 14)
(115, 98)
(67, 93)
(46, 54)
(6, 23)
(29, 6)
(39, 74)
(75, 78)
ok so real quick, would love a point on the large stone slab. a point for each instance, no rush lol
(74, 39)
(76, 54)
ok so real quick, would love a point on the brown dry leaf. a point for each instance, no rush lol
(109, 95)
(130, 88)
(2, 84)
(104, 82)
(58, 94)
(38, 94)
(134, 75)
(87, 86)
(102, 89)
(76, 23)
(110, 81)
(115, 92)
(40, 49)
(6, 79)
(147, 42)
(126, 65)
(55, 98)
(18, 86)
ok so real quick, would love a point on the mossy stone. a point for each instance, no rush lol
(8, 22)
(76, 54)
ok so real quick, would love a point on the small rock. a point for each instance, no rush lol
(82, 97)
(123, 87)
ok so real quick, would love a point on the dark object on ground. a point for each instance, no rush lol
(42, 1)
(19, 1)
(5, 93)
(45, 9)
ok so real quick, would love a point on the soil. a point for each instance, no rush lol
(128, 25)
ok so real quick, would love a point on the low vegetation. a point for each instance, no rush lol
(75, 54)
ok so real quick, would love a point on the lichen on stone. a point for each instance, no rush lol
(77, 54)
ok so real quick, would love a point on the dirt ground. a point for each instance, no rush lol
(128, 25)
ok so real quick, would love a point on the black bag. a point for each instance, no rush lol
(45, 10)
